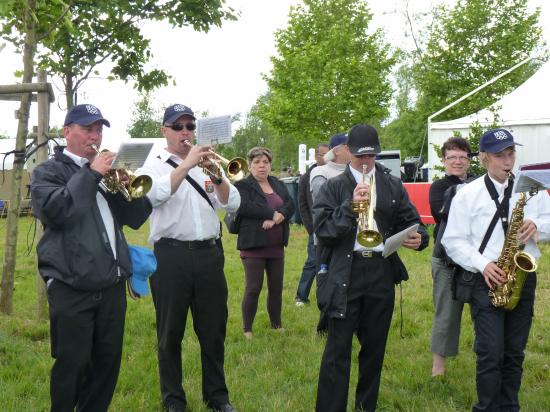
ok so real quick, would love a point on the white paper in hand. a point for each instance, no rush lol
(394, 242)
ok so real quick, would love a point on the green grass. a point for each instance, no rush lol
(275, 371)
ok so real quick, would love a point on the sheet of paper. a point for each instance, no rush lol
(527, 180)
(131, 155)
(394, 242)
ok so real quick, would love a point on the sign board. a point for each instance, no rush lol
(214, 130)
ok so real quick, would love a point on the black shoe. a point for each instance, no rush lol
(227, 407)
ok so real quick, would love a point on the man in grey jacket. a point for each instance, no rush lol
(84, 260)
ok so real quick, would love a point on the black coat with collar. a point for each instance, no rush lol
(336, 226)
(75, 247)
(254, 210)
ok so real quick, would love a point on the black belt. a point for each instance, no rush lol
(367, 254)
(188, 244)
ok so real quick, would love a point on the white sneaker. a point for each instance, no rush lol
(299, 303)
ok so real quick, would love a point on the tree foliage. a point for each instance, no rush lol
(465, 46)
(329, 74)
(110, 31)
(145, 120)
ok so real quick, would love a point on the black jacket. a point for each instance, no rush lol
(254, 210)
(336, 226)
(74, 247)
(305, 201)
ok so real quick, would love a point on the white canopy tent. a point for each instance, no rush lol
(525, 112)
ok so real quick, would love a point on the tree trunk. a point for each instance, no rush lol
(10, 250)
(69, 93)
(42, 156)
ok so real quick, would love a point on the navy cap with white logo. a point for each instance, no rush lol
(84, 115)
(363, 139)
(496, 140)
(174, 112)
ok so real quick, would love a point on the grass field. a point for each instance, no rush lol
(274, 371)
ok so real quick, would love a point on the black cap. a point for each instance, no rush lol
(363, 139)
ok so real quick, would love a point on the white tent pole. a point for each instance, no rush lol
(494, 79)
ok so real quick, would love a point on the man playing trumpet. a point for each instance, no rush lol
(357, 292)
(185, 231)
(84, 260)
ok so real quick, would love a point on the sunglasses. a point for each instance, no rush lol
(177, 127)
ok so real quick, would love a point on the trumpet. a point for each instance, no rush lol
(125, 182)
(367, 236)
(235, 169)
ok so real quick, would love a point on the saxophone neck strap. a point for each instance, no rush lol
(504, 206)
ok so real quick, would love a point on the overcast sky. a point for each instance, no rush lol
(219, 72)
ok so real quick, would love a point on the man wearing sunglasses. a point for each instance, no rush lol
(185, 231)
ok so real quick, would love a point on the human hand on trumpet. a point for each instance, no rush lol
(196, 154)
(361, 193)
(103, 160)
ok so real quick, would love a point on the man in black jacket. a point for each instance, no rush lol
(304, 203)
(84, 260)
(358, 292)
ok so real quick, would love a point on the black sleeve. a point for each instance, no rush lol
(333, 218)
(59, 200)
(132, 214)
(304, 202)
(437, 191)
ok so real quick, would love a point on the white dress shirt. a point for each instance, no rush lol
(472, 210)
(104, 209)
(359, 179)
(184, 215)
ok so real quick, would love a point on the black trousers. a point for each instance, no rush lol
(500, 340)
(371, 297)
(86, 331)
(190, 279)
(254, 272)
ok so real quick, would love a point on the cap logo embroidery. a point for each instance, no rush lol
(180, 108)
(364, 149)
(500, 135)
(92, 109)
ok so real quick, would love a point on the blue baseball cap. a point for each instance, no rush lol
(496, 140)
(84, 115)
(337, 140)
(174, 112)
(144, 264)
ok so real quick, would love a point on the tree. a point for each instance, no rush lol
(36, 18)
(329, 73)
(110, 30)
(145, 120)
(466, 46)
(253, 132)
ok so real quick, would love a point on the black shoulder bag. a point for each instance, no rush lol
(463, 280)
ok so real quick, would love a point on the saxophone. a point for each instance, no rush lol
(516, 263)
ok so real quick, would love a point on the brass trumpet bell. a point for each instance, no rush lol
(235, 169)
(125, 182)
(369, 238)
(366, 235)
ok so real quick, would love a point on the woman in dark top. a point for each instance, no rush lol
(456, 154)
(265, 210)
